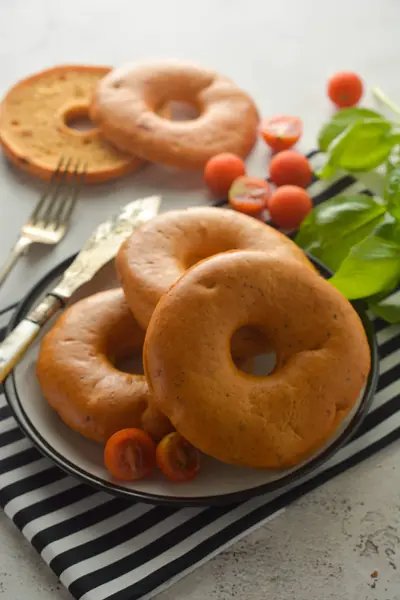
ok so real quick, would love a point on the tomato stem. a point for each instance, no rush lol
(379, 93)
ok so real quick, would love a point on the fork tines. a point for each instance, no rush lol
(58, 200)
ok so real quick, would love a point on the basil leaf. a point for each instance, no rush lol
(362, 146)
(331, 229)
(373, 265)
(340, 121)
(392, 191)
(388, 308)
(389, 229)
(328, 170)
(393, 159)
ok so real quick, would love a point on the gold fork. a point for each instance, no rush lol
(49, 221)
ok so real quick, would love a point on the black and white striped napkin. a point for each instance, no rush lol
(103, 547)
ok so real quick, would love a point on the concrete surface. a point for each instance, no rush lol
(328, 544)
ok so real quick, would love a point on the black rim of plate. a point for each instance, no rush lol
(12, 396)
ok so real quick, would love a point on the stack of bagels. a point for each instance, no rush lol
(130, 110)
(204, 290)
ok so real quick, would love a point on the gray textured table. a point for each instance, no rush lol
(328, 544)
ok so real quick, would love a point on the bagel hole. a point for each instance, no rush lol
(133, 365)
(78, 119)
(264, 364)
(183, 111)
(252, 343)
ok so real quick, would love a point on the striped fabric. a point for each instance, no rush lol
(109, 548)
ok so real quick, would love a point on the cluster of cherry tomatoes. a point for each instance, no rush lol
(131, 454)
(290, 171)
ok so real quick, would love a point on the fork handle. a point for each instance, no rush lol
(20, 247)
(20, 338)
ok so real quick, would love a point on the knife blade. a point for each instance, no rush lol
(99, 249)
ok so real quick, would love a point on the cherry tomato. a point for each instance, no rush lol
(290, 168)
(177, 458)
(281, 132)
(345, 89)
(221, 171)
(288, 206)
(130, 454)
(249, 195)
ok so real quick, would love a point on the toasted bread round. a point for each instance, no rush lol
(34, 130)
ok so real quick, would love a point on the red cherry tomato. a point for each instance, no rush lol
(345, 89)
(130, 454)
(221, 171)
(281, 132)
(288, 206)
(290, 168)
(177, 458)
(249, 195)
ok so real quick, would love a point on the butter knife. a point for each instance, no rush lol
(100, 248)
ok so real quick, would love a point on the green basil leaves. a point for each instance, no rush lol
(362, 146)
(331, 230)
(341, 121)
(372, 265)
(357, 139)
(392, 191)
(358, 236)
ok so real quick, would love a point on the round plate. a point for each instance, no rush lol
(217, 482)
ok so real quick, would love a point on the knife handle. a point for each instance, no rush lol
(18, 341)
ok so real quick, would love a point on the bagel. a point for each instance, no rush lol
(34, 129)
(160, 251)
(269, 422)
(125, 103)
(77, 373)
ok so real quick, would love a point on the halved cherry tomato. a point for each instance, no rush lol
(281, 132)
(130, 454)
(249, 195)
(177, 458)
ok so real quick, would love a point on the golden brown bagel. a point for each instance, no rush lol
(160, 251)
(34, 130)
(275, 421)
(125, 104)
(77, 373)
